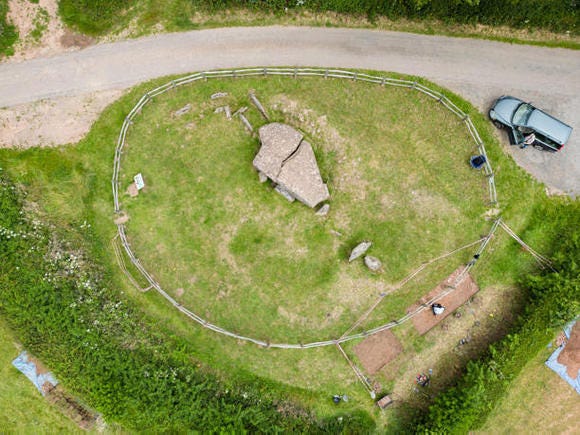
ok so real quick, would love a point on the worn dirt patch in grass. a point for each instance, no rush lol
(426, 320)
(376, 351)
(52, 122)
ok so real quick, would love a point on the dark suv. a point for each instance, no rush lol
(521, 119)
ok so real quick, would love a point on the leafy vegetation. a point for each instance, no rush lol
(476, 18)
(553, 299)
(94, 17)
(8, 33)
(537, 398)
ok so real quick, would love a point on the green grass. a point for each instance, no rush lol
(22, 407)
(203, 200)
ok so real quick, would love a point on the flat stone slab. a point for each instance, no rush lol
(279, 141)
(301, 177)
(426, 320)
(289, 161)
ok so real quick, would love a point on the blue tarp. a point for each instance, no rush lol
(560, 368)
(28, 367)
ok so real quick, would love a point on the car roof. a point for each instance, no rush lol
(549, 126)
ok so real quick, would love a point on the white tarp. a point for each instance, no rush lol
(561, 369)
(23, 363)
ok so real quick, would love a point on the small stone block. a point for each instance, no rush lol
(218, 95)
(373, 263)
(323, 211)
(183, 110)
(263, 177)
(385, 402)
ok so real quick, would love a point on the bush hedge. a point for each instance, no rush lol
(553, 299)
(63, 310)
(99, 16)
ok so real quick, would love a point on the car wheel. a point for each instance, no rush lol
(498, 125)
(539, 147)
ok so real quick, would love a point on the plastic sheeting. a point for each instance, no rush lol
(553, 363)
(23, 363)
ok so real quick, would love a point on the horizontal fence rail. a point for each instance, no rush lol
(295, 73)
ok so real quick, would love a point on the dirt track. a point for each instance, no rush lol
(478, 70)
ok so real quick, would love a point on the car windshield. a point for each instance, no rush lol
(522, 114)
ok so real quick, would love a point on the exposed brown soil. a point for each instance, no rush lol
(570, 355)
(132, 190)
(76, 411)
(71, 39)
(426, 320)
(122, 219)
(378, 350)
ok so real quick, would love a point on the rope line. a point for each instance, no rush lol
(361, 377)
(542, 261)
(402, 283)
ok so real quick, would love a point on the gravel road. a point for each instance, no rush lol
(478, 70)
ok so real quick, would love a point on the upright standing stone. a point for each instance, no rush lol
(359, 250)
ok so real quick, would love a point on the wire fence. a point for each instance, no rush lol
(294, 73)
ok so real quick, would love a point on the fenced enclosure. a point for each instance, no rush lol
(292, 73)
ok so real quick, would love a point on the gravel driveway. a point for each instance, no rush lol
(478, 70)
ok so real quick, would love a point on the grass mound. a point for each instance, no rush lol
(243, 257)
(413, 195)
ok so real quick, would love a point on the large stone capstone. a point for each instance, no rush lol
(289, 161)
